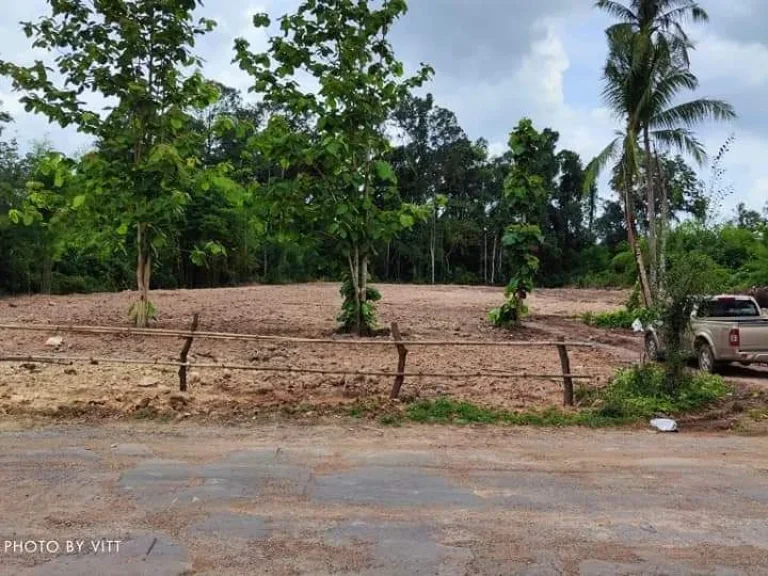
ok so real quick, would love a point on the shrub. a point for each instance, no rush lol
(507, 314)
(642, 392)
(348, 315)
(619, 319)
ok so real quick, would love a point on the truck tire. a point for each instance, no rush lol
(706, 358)
(652, 348)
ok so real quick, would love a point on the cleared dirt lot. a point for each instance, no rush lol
(423, 312)
(287, 500)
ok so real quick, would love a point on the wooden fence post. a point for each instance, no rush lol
(184, 353)
(565, 364)
(402, 352)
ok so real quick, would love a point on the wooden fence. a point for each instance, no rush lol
(402, 346)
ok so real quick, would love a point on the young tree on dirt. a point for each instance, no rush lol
(342, 46)
(526, 192)
(132, 57)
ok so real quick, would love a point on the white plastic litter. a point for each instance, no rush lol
(637, 326)
(54, 341)
(664, 424)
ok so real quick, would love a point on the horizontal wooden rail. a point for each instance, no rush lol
(167, 333)
(68, 360)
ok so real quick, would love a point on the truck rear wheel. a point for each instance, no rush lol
(706, 358)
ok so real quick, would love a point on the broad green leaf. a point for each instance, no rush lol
(384, 171)
(406, 220)
(78, 201)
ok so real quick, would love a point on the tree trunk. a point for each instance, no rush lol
(143, 273)
(501, 259)
(363, 328)
(354, 274)
(493, 261)
(432, 242)
(485, 257)
(664, 226)
(630, 221)
(386, 265)
(650, 199)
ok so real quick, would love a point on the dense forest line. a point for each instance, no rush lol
(222, 241)
(191, 184)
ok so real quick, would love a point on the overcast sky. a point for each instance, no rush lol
(498, 60)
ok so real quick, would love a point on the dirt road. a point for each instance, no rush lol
(286, 499)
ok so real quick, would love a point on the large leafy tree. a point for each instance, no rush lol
(137, 58)
(342, 46)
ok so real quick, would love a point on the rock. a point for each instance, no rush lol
(264, 388)
(148, 382)
(227, 374)
(54, 341)
(143, 403)
(70, 371)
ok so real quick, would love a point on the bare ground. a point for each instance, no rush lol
(288, 500)
(422, 312)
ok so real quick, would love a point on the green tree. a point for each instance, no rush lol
(342, 45)
(525, 190)
(646, 71)
(134, 55)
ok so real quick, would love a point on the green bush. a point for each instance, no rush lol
(348, 315)
(506, 314)
(619, 319)
(642, 392)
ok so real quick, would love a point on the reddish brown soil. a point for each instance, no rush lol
(423, 312)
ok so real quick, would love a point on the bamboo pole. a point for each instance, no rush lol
(480, 374)
(169, 333)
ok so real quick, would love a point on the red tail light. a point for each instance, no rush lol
(733, 337)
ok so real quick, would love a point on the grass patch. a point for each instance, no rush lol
(618, 319)
(641, 392)
(448, 411)
(634, 395)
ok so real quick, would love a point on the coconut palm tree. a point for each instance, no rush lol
(646, 70)
(659, 21)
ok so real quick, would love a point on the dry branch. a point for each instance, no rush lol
(481, 374)
(168, 333)
(184, 353)
(402, 353)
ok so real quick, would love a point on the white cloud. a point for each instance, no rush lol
(726, 60)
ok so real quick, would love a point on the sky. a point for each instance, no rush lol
(497, 61)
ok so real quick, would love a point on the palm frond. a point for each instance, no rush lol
(599, 162)
(682, 140)
(616, 10)
(690, 113)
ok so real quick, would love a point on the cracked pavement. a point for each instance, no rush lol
(350, 499)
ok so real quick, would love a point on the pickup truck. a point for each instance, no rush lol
(723, 329)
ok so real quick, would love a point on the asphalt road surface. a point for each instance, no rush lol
(287, 499)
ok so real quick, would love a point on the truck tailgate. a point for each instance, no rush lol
(753, 336)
